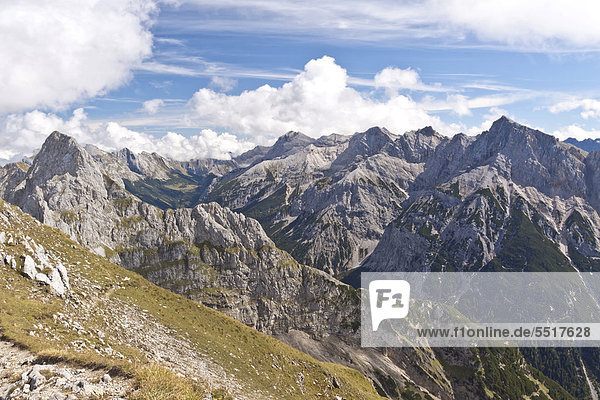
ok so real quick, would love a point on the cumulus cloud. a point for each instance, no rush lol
(223, 83)
(395, 79)
(152, 106)
(590, 107)
(533, 25)
(22, 134)
(317, 101)
(57, 52)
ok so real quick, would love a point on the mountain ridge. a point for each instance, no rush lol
(206, 253)
(384, 196)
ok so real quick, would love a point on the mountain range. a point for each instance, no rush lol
(268, 238)
(586, 144)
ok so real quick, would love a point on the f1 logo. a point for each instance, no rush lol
(389, 299)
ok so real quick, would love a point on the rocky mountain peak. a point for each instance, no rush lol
(377, 131)
(417, 146)
(427, 131)
(251, 156)
(515, 138)
(503, 120)
(147, 164)
(363, 144)
(287, 144)
(222, 227)
(506, 130)
(293, 135)
(60, 154)
(371, 141)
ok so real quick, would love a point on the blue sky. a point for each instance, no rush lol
(187, 78)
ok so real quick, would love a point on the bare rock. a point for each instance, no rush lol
(29, 267)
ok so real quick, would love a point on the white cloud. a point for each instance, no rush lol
(317, 101)
(533, 25)
(223, 83)
(22, 134)
(152, 106)
(54, 53)
(395, 79)
(462, 105)
(536, 25)
(577, 132)
(590, 107)
(459, 104)
(167, 69)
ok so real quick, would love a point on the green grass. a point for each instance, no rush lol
(525, 248)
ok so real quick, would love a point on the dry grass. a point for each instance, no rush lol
(158, 383)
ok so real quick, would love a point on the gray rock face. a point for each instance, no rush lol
(287, 144)
(208, 253)
(523, 155)
(327, 203)
(477, 197)
(11, 176)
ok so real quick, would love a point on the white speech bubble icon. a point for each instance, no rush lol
(389, 300)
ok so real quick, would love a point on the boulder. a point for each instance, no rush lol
(56, 283)
(29, 267)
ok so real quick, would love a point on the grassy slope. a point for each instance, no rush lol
(102, 292)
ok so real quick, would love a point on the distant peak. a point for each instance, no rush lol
(503, 120)
(505, 130)
(294, 136)
(376, 130)
(125, 153)
(59, 141)
(427, 131)
(588, 144)
(60, 154)
(288, 143)
(57, 136)
(506, 127)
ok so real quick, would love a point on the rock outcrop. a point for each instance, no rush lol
(35, 263)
